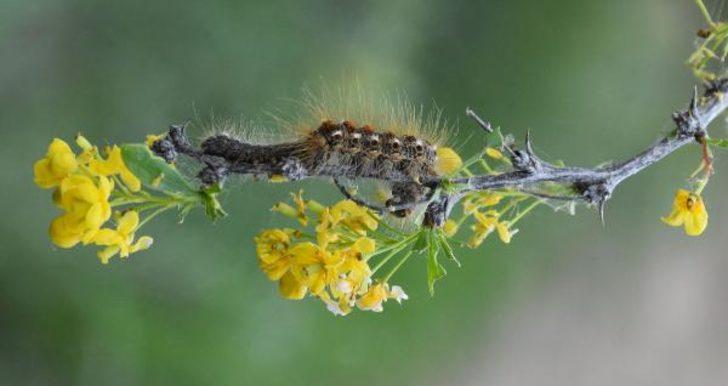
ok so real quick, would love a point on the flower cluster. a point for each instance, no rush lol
(333, 263)
(491, 211)
(83, 185)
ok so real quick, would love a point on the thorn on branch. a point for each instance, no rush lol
(688, 121)
(485, 125)
(595, 193)
(526, 160)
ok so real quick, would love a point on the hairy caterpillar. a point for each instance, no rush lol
(395, 143)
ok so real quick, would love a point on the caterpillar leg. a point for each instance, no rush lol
(406, 197)
(377, 209)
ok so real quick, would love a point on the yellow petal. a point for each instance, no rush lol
(83, 143)
(306, 253)
(105, 187)
(493, 153)
(676, 218)
(365, 245)
(317, 281)
(107, 237)
(448, 161)
(42, 175)
(128, 222)
(95, 216)
(450, 228)
(291, 288)
(58, 146)
(503, 232)
(695, 224)
(62, 235)
(144, 242)
(277, 178)
(285, 210)
(276, 269)
(681, 198)
(373, 299)
(130, 180)
(107, 253)
(151, 138)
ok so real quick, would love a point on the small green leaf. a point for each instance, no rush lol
(154, 172)
(719, 142)
(447, 248)
(213, 209)
(421, 243)
(435, 270)
(495, 139)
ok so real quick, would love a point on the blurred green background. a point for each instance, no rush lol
(568, 302)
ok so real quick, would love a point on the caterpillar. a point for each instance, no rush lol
(397, 146)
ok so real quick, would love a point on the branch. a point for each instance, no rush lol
(595, 185)
(222, 155)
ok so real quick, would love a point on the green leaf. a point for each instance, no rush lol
(559, 163)
(154, 172)
(213, 209)
(495, 139)
(421, 242)
(435, 270)
(719, 142)
(447, 248)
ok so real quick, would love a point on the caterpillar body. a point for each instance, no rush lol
(337, 150)
(405, 161)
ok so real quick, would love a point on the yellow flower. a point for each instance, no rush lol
(325, 232)
(356, 218)
(151, 138)
(316, 265)
(450, 228)
(67, 231)
(504, 231)
(58, 163)
(121, 240)
(354, 272)
(448, 161)
(364, 246)
(89, 151)
(689, 211)
(315, 206)
(339, 308)
(485, 224)
(87, 208)
(300, 207)
(398, 294)
(299, 212)
(493, 153)
(292, 287)
(114, 164)
(480, 200)
(372, 300)
(284, 209)
(277, 178)
(273, 246)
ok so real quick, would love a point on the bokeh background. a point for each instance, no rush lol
(568, 302)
